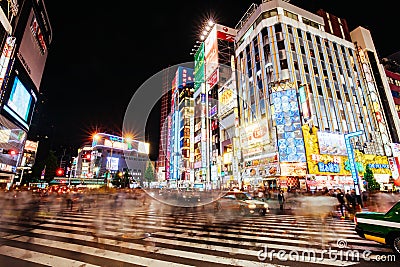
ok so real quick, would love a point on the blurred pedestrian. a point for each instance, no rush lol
(342, 202)
(281, 199)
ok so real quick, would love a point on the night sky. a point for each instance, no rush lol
(101, 54)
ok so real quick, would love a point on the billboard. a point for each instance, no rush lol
(226, 33)
(32, 52)
(286, 116)
(5, 58)
(211, 52)
(112, 163)
(184, 77)
(199, 67)
(31, 146)
(143, 147)
(331, 143)
(20, 103)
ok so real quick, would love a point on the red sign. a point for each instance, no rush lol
(213, 78)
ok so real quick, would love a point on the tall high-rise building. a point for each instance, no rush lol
(179, 124)
(25, 37)
(304, 85)
(165, 108)
(213, 76)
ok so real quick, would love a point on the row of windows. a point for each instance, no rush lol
(326, 66)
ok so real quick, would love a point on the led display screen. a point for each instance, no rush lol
(20, 100)
(20, 103)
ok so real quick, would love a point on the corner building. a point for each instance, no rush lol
(303, 84)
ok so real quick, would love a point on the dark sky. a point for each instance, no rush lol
(101, 54)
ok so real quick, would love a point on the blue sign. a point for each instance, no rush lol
(378, 166)
(328, 167)
(350, 154)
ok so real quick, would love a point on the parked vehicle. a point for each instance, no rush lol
(382, 227)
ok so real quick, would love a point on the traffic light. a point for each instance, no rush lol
(60, 172)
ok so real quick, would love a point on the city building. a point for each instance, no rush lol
(305, 84)
(110, 155)
(180, 121)
(161, 162)
(25, 37)
(214, 78)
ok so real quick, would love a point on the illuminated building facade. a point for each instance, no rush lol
(303, 88)
(214, 77)
(181, 121)
(25, 37)
(112, 154)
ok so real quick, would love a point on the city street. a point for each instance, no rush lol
(112, 231)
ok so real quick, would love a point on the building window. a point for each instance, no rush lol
(291, 15)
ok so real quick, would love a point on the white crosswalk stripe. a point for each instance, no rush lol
(137, 237)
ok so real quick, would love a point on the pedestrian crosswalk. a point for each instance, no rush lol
(153, 235)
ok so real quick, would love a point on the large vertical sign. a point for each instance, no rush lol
(286, 116)
(211, 52)
(199, 67)
(376, 105)
(184, 77)
(5, 58)
(352, 160)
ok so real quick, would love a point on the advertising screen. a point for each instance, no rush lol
(112, 163)
(331, 143)
(20, 102)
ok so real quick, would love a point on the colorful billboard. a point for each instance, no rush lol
(199, 67)
(211, 52)
(31, 146)
(331, 143)
(20, 103)
(184, 77)
(226, 33)
(5, 58)
(286, 116)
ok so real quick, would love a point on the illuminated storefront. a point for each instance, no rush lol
(328, 165)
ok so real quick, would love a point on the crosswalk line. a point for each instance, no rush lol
(122, 257)
(243, 235)
(92, 251)
(187, 239)
(41, 258)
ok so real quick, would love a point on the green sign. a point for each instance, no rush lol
(199, 67)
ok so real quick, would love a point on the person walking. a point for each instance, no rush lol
(342, 202)
(281, 199)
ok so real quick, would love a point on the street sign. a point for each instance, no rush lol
(352, 160)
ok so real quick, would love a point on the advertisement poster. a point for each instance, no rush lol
(331, 143)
